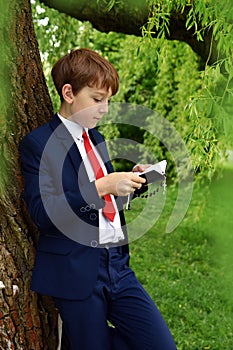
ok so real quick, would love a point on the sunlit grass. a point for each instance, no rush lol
(187, 271)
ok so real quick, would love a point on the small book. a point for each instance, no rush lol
(154, 173)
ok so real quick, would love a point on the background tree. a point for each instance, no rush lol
(178, 20)
(26, 321)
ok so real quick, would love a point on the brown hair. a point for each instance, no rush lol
(84, 67)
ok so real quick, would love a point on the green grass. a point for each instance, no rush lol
(188, 271)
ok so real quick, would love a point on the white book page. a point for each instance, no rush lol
(159, 167)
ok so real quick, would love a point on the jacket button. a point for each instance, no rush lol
(94, 244)
(93, 216)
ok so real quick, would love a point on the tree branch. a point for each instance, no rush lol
(129, 17)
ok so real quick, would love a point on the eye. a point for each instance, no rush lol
(97, 100)
(101, 100)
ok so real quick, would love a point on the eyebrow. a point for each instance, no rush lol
(102, 93)
(100, 90)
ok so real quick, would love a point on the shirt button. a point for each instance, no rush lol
(88, 208)
(93, 216)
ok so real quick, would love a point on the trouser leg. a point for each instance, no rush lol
(134, 314)
(84, 324)
(65, 343)
(140, 323)
(119, 298)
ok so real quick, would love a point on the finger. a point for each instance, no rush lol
(140, 167)
(136, 185)
(124, 187)
(137, 167)
(138, 179)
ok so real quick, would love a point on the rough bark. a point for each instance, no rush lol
(26, 320)
(129, 16)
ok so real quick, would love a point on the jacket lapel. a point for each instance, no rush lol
(61, 132)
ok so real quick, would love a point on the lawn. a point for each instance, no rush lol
(188, 272)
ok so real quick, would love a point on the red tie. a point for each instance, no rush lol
(108, 210)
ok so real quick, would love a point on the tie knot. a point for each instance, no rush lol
(84, 135)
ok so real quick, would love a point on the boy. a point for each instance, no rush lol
(74, 197)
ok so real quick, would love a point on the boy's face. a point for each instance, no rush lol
(89, 106)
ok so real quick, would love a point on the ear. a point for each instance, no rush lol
(67, 93)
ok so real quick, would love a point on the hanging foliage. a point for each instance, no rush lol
(166, 76)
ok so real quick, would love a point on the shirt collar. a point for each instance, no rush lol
(74, 129)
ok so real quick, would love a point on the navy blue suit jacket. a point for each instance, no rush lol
(64, 205)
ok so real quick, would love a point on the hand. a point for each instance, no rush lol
(119, 184)
(140, 167)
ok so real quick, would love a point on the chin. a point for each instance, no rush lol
(91, 125)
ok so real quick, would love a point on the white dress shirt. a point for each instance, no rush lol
(109, 232)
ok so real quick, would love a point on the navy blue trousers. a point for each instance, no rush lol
(118, 298)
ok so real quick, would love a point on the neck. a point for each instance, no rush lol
(64, 112)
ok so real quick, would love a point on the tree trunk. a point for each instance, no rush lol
(27, 321)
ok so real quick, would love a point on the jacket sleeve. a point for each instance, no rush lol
(48, 202)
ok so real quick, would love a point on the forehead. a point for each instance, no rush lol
(100, 91)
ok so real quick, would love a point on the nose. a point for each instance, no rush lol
(103, 108)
